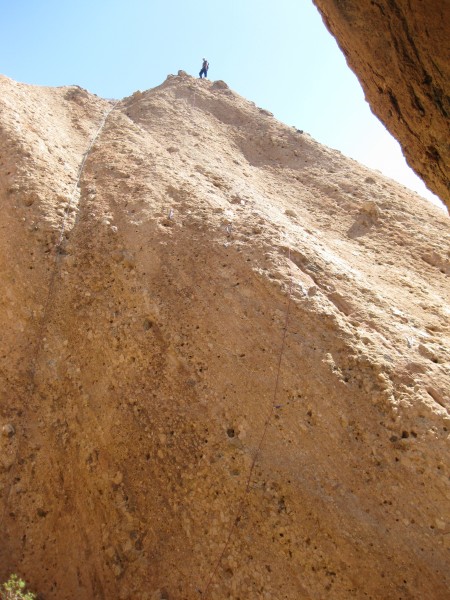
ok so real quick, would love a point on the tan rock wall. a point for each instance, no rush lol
(139, 361)
(399, 50)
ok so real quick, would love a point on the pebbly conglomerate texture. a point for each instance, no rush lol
(145, 302)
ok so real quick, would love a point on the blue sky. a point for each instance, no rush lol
(277, 54)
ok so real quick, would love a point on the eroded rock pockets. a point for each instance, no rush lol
(159, 358)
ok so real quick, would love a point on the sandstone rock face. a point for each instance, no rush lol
(399, 50)
(224, 356)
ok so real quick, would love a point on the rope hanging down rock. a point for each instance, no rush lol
(50, 293)
(273, 405)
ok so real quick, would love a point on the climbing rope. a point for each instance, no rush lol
(80, 172)
(40, 339)
(51, 288)
(204, 593)
(273, 405)
(58, 245)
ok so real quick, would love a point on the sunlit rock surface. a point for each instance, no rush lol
(215, 329)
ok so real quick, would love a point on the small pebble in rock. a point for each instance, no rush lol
(8, 430)
(118, 478)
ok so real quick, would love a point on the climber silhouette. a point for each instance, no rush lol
(204, 69)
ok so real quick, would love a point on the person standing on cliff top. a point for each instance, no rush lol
(204, 69)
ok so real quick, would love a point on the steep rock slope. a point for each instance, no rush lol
(399, 50)
(212, 288)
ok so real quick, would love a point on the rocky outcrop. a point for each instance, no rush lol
(399, 50)
(223, 356)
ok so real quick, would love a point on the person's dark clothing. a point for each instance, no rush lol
(204, 69)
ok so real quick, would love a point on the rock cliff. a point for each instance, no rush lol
(400, 50)
(224, 356)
